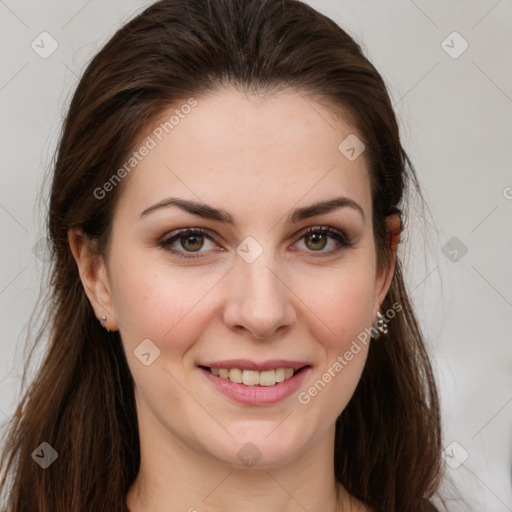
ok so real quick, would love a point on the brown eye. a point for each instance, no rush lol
(192, 242)
(318, 241)
(185, 242)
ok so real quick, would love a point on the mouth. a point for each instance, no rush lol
(251, 377)
(255, 384)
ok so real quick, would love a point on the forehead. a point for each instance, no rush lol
(283, 148)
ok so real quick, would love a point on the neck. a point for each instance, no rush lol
(173, 475)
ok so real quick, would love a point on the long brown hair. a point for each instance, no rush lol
(81, 402)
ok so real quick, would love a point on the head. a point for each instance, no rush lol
(233, 104)
(200, 300)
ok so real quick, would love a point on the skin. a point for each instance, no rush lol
(258, 159)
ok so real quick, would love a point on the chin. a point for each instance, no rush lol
(258, 450)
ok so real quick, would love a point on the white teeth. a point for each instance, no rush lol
(268, 378)
(253, 377)
(235, 375)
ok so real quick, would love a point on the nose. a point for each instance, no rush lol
(259, 299)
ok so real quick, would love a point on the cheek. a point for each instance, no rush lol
(342, 303)
(162, 303)
(345, 309)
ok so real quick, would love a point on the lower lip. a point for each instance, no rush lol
(257, 395)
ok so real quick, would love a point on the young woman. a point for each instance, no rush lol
(229, 324)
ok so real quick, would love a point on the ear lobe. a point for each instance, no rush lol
(385, 275)
(93, 275)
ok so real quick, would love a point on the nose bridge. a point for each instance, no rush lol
(260, 300)
(262, 283)
(255, 261)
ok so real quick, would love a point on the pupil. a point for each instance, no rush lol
(316, 238)
(190, 239)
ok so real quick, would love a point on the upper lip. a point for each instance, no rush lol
(247, 364)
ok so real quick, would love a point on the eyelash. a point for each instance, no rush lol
(344, 242)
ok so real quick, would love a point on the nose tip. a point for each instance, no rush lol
(258, 302)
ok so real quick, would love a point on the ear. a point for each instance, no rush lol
(385, 275)
(94, 277)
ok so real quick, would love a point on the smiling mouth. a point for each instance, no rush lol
(254, 377)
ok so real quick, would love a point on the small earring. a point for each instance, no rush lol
(104, 322)
(381, 325)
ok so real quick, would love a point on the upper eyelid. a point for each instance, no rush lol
(183, 231)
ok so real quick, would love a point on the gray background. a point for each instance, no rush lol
(456, 122)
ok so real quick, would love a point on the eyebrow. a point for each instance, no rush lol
(209, 212)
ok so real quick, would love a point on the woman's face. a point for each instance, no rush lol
(252, 290)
